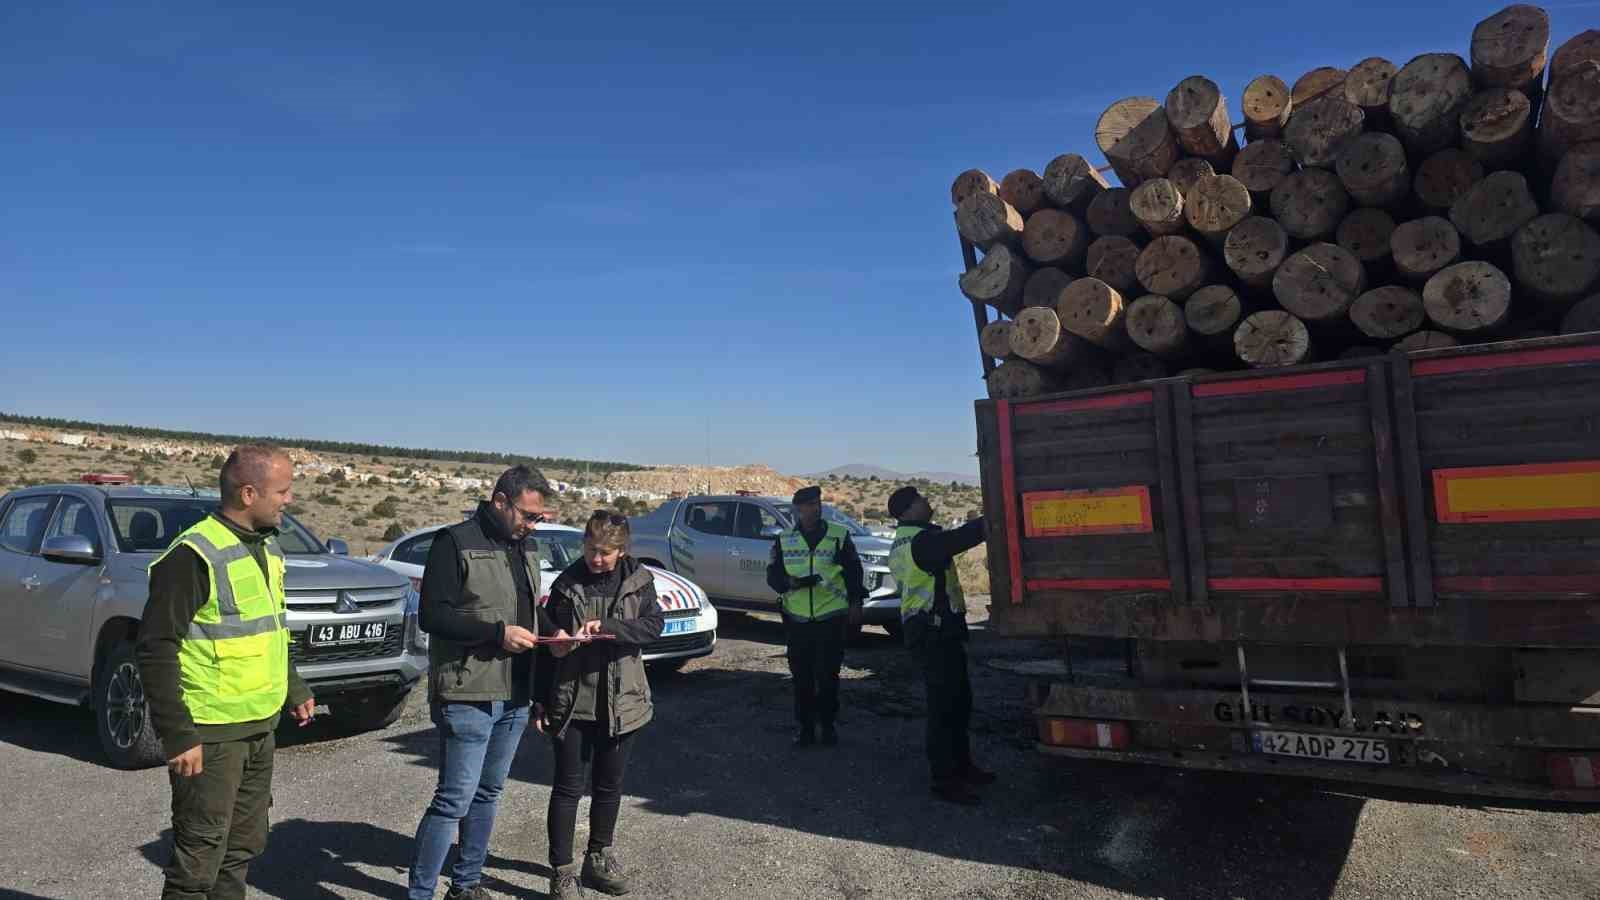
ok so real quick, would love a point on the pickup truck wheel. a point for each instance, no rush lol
(372, 710)
(122, 715)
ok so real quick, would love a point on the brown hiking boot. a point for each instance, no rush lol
(603, 872)
(565, 884)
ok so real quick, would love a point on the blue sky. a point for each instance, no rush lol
(606, 233)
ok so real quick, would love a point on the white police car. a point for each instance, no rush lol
(691, 620)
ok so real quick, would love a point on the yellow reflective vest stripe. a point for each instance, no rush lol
(917, 586)
(234, 663)
(829, 597)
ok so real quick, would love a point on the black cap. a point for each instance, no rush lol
(811, 494)
(901, 500)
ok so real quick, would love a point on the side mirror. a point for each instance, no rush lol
(70, 548)
(771, 531)
(338, 547)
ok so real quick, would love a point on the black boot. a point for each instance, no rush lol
(805, 737)
(830, 737)
(603, 872)
(565, 884)
(476, 892)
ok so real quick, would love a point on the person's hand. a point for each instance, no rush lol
(517, 639)
(302, 714)
(539, 720)
(589, 629)
(561, 647)
(854, 615)
(189, 763)
(806, 581)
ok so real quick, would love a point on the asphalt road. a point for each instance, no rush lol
(719, 806)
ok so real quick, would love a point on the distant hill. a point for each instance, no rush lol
(862, 470)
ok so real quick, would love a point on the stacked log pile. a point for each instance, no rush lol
(1350, 212)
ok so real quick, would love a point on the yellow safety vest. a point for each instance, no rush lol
(917, 585)
(234, 662)
(829, 598)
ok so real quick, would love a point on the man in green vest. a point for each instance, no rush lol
(214, 658)
(933, 614)
(817, 573)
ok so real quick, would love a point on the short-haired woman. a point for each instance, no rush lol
(599, 697)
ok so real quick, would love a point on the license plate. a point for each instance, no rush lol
(677, 626)
(1321, 746)
(337, 635)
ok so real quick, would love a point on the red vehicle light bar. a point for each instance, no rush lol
(105, 478)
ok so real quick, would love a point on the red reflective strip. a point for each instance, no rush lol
(1282, 383)
(1061, 732)
(1521, 584)
(1573, 771)
(1109, 401)
(1553, 356)
(1099, 584)
(1008, 486)
(1321, 585)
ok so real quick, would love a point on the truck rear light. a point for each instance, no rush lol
(1061, 732)
(1574, 771)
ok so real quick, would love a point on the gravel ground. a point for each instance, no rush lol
(719, 806)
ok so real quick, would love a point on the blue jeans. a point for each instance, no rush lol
(477, 742)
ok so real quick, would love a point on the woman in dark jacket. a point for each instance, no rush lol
(599, 697)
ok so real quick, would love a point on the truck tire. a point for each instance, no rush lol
(374, 710)
(121, 713)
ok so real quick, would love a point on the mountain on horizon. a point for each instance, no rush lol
(863, 470)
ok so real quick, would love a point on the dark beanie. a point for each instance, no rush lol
(901, 500)
(811, 494)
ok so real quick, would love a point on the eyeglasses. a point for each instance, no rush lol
(532, 518)
(609, 516)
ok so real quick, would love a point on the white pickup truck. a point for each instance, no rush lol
(724, 541)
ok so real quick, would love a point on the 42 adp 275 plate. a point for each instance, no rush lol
(1321, 746)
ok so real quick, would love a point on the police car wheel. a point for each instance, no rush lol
(122, 715)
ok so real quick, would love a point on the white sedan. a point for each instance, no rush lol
(691, 626)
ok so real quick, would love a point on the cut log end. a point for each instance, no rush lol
(1576, 187)
(1185, 172)
(1158, 205)
(1198, 116)
(1467, 298)
(1319, 284)
(1037, 336)
(1024, 190)
(1583, 317)
(1367, 85)
(1444, 177)
(1423, 246)
(1261, 166)
(1366, 234)
(1318, 130)
(1556, 258)
(986, 220)
(998, 280)
(1509, 48)
(1388, 313)
(1493, 209)
(1372, 168)
(1425, 99)
(1054, 237)
(1426, 340)
(1212, 311)
(1110, 213)
(1044, 287)
(1114, 260)
(1497, 126)
(1254, 250)
(1136, 139)
(1580, 48)
(1267, 103)
(970, 182)
(1271, 339)
(1017, 379)
(1216, 205)
(1317, 83)
(1173, 266)
(1070, 182)
(1157, 325)
(1093, 310)
(1310, 203)
(995, 340)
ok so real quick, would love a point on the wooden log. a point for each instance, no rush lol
(1055, 237)
(1267, 103)
(1094, 311)
(1111, 214)
(995, 339)
(1137, 367)
(1365, 234)
(1213, 312)
(1024, 190)
(1425, 100)
(1556, 258)
(1309, 204)
(1198, 115)
(1044, 287)
(1090, 374)
(1158, 205)
(1173, 266)
(998, 280)
(970, 182)
(1016, 379)
(1216, 205)
(1070, 182)
(1254, 250)
(1272, 338)
(1388, 313)
(1185, 172)
(1157, 325)
(1317, 83)
(987, 221)
(1497, 126)
(1114, 260)
(1318, 131)
(1444, 177)
(1492, 210)
(1571, 113)
(1426, 340)
(1578, 49)
(1261, 166)
(1372, 168)
(1367, 86)
(1037, 336)
(1361, 351)
(1421, 247)
(1136, 140)
(1582, 317)
(1575, 189)
(1468, 298)
(1510, 48)
(1319, 284)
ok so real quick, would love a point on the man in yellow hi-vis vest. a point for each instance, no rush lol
(817, 573)
(933, 616)
(214, 659)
